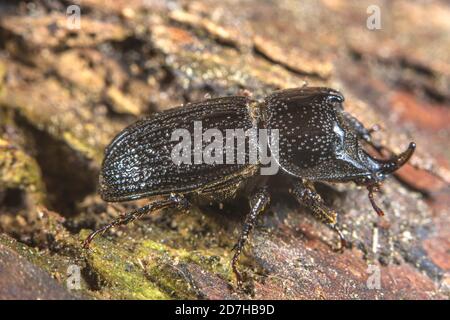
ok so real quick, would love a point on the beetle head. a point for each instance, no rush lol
(380, 170)
(318, 143)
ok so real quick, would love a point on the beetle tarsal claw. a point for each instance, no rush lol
(342, 241)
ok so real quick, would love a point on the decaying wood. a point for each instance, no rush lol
(64, 94)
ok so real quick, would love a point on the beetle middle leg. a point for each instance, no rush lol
(172, 201)
(258, 202)
(305, 193)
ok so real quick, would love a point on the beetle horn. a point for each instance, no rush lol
(386, 167)
(391, 165)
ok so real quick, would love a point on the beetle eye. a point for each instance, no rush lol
(380, 176)
(334, 101)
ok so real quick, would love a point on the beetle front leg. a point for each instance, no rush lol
(172, 201)
(306, 195)
(366, 134)
(361, 131)
(258, 202)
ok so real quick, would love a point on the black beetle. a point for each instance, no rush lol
(317, 141)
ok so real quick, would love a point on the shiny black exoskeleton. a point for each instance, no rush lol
(317, 141)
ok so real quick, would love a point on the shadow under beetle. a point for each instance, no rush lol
(318, 141)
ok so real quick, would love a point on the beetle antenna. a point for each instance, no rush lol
(372, 190)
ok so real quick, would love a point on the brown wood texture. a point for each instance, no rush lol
(65, 93)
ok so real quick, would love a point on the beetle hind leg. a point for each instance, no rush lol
(172, 201)
(308, 197)
(258, 203)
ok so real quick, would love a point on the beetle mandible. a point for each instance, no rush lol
(318, 142)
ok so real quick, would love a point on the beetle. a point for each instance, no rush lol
(318, 141)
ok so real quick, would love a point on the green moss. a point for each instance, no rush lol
(28, 253)
(166, 266)
(54, 264)
(2, 77)
(19, 170)
(150, 269)
(90, 151)
(197, 239)
(120, 271)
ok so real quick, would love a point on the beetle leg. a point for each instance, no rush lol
(307, 196)
(366, 134)
(361, 131)
(171, 202)
(258, 202)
